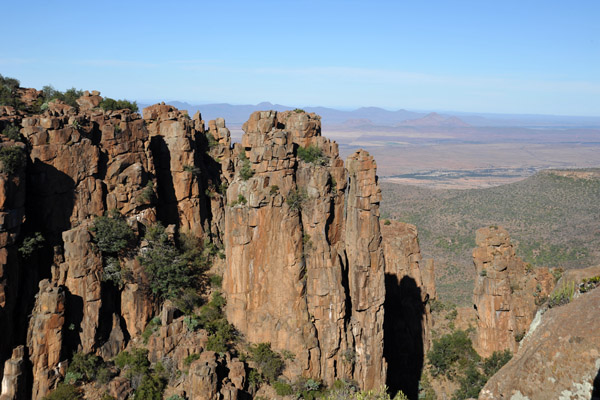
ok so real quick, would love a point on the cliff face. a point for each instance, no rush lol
(410, 285)
(506, 291)
(290, 247)
(303, 268)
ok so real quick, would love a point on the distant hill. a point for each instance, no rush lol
(435, 120)
(238, 114)
(553, 217)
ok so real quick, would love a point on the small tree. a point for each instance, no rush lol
(12, 158)
(296, 198)
(269, 362)
(170, 270)
(112, 234)
(112, 105)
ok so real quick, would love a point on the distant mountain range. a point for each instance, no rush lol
(375, 116)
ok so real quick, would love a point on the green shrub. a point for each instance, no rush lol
(83, 367)
(483, 272)
(562, 296)
(241, 200)
(31, 244)
(246, 171)
(387, 222)
(12, 158)
(151, 388)
(112, 234)
(70, 96)
(288, 355)
(64, 392)
(347, 393)
(470, 383)
(311, 154)
(274, 189)
(8, 93)
(192, 169)
(190, 359)
(296, 199)
(109, 104)
(171, 270)
(255, 379)
(588, 284)
(134, 362)
(191, 322)
(282, 388)
(212, 142)
(269, 363)
(12, 132)
(493, 363)
(557, 273)
(450, 353)
(187, 300)
(112, 271)
(452, 314)
(152, 327)
(299, 110)
(147, 194)
(216, 281)
(519, 336)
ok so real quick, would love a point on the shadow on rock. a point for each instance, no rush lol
(403, 338)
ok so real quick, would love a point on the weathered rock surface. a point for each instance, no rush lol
(559, 359)
(505, 292)
(45, 337)
(304, 264)
(14, 380)
(290, 251)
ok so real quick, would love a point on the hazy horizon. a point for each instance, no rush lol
(502, 57)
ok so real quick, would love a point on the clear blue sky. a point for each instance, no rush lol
(481, 56)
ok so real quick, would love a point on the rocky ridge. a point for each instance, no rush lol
(304, 267)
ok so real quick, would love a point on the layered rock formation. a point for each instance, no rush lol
(304, 265)
(326, 268)
(506, 291)
(559, 359)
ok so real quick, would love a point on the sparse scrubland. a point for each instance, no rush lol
(552, 219)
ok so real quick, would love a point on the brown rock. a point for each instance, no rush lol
(286, 260)
(410, 285)
(45, 337)
(14, 380)
(366, 268)
(505, 292)
(559, 359)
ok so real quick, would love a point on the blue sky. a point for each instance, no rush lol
(480, 56)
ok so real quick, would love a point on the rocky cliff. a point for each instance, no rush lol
(327, 267)
(410, 286)
(507, 292)
(558, 359)
(293, 231)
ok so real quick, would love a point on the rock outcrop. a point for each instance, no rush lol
(289, 248)
(506, 292)
(410, 285)
(303, 260)
(559, 359)
(14, 380)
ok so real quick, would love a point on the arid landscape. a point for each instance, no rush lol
(267, 200)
